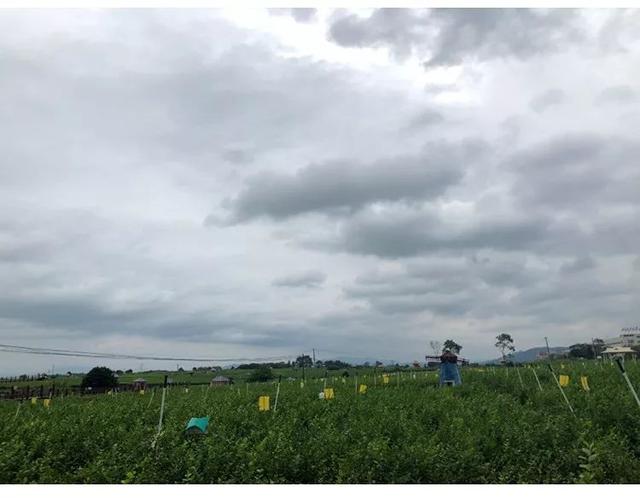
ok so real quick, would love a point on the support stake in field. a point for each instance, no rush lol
(164, 392)
(275, 403)
(520, 377)
(562, 391)
(153, 391)
(626, 377)
(537, 379)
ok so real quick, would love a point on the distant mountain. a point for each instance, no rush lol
(529, 355)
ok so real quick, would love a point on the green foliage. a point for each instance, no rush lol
(304, 361)
(489, 430)
(581, 351)
(262, 374)
(99, 377)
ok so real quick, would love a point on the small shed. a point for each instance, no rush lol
(221, 380)
(623, 352)
(139, 383)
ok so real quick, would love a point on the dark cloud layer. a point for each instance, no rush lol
(308, 279)
(450, 36)
(349, 186)
(550, 98)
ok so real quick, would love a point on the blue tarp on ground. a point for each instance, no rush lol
(449, 373)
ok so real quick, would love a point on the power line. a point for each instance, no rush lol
(11, 348)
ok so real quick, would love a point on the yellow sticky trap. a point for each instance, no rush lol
(344, 381)
(564, 380)
(186, 389)
(385, 379)
(263, 403)
(141, 392)
(362, 389)
(585, 383)
(34, 401)
(562, 365)
(46, 403)
(109, 392)
(301, 384)
(328, 393)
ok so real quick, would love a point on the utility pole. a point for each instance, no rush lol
(314, 357)
(548, 351)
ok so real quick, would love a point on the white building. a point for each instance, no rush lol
(630, 337)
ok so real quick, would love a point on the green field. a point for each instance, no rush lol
(491, 429)
(239, 376)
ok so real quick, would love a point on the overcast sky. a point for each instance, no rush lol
(260, 182)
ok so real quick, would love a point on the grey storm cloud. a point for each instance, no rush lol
(577, 171)
(299, 14)
(308, 279)
(450, 36)
(425, 119)
(497, 284)
(348, 186)
(550, 98)
(622, 94)
(411, 233)
(579, 264)
(445, 285)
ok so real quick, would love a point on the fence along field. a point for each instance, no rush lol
(501, 426)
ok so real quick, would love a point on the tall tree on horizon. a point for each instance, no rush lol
(452, 346)
(504, 342)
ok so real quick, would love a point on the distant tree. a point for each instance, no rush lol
(504, 343)
(598, 346)
(99, 377)
(581, 351)
(452, 346)
(180, 369)
(129, 371)
(436, 347)
(262, 374)
(378, 364)
(345, 374)
(366, 364)
(304, 361)
(335, 364)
